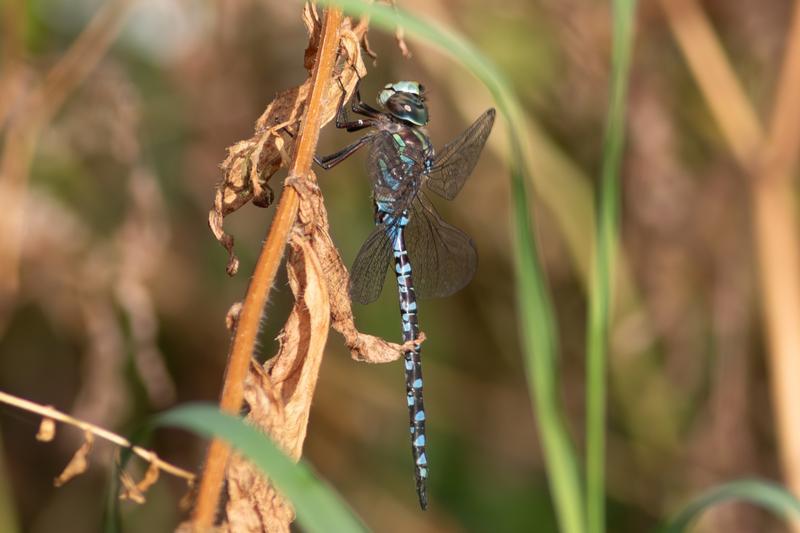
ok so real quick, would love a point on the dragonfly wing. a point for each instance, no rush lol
(369, 268)
(455, 162)
(443, 258)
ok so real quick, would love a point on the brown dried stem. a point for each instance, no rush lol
(770, 161)
(777, 238)
(50, 413)
(249, 320)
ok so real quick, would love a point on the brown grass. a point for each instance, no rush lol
(770, 160)
(278, 395)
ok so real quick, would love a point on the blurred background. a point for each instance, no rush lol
(114, 290)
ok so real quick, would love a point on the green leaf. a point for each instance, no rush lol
(318, 507)
(762, 493)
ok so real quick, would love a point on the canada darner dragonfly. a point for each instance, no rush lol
(409, 230)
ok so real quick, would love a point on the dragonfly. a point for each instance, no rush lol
(431, 257)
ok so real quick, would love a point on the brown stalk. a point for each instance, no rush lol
(255, 300)
(49, 414)
(777, 239)
(770, 161)
(714, 74)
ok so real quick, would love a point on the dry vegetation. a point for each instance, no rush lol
(107, 312)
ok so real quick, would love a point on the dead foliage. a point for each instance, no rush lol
(131, 490)
(278, 393)
(251, 163)
(79, 462)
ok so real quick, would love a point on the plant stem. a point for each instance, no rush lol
(769, 159)
(54, 414)
(246, 334)
(603, 271)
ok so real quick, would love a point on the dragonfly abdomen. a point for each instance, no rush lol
(412, 359)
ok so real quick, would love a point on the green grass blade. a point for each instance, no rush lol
(319, 508)
(535, 310)
(764, 494)
(603, 268)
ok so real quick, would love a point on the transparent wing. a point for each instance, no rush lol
(455, 162)
(443, 258)
(369, 268)
(395, 176)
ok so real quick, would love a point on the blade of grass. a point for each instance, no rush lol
(318, 507)
(535, 310)
(603, 267)
(767, 495)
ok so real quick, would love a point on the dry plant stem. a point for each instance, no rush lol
(50, 413)
(21, 139)
(770, 161)
(249, 320)
(717, 80)
(777, 238)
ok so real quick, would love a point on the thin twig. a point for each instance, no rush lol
(54, 414)
(264, 275)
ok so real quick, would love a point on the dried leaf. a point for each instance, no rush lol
(251, 163)
(232, 316)
(78, 464)
(279, 395)
(188, 498)
(314, 217)
(47, 430)
(400, 37)
(135, 491)
(129, 489)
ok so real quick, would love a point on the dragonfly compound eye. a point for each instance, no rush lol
(408, 107)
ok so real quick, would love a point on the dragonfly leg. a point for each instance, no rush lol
(344, 122)
(330, 161)
(357, 105)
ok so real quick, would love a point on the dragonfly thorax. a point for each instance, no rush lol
(405, 101)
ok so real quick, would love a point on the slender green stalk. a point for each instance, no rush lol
(603, 267)
(536, 318)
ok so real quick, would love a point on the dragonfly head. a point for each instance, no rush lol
(405, 100)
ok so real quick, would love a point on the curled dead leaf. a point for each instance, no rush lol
(251, 163)
(47, 430)
(314, 218)
(135, 491)
(129, 489)
(232, 316)
(279, 394)
(78, 464)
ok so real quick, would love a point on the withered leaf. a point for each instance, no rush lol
(47, 430)
(135, 491)
(78, 464)
(279, 394)
(251, 163)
